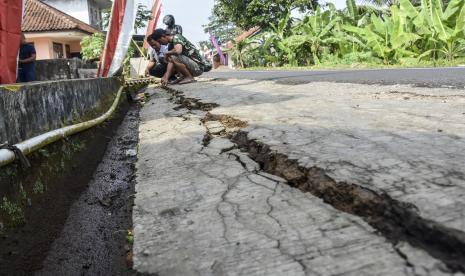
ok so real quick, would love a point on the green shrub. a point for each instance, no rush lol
(92, 47)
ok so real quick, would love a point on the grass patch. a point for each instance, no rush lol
(337, 64)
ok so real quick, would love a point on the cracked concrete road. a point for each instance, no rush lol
(401, 140)
(204, 207)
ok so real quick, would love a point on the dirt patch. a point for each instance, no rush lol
(227, 121)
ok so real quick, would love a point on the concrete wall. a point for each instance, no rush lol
(138, 66)
(44, 46)
(61, 69)
(32, 109)
(75, 46)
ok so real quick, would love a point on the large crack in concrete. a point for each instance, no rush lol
(395, 220)
(189, 103)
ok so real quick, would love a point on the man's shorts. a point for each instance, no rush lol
(191, 65)
(158, 70)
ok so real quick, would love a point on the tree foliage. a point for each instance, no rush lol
(223, 31)
(142, 17)
(402, 33)
(246, 14)
(92, 46)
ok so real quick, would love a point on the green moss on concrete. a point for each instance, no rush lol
(22, 193)
(38, 187)
(25, 188)
(14, 211)
(11, 88)
(20, 188)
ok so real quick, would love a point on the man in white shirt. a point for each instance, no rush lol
(157, 66)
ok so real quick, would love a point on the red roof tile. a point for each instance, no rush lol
(248, 33)
(40, 17)
(243, 36)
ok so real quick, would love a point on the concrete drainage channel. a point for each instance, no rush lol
(396, 221)
(81, 221)
(95, 239)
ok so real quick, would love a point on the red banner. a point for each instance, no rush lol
(119, 37)
(11, 12)
(117, 15)
(155, 15)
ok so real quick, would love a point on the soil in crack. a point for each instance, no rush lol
(188, 103)
(227, 121)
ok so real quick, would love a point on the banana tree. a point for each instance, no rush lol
(237, 53)
(272, 40)
(388, 38)
(359, 15)
(451, 35)
(315, 31)
(442, 29)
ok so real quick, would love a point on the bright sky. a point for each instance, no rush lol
(340, 4)
(192, 14)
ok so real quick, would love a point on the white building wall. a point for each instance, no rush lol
(95, 14)
(88, 11)
(76, 8)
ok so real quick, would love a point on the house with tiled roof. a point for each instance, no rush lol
(243, 36)
(55, 33)
(249, 33)
(88, 11)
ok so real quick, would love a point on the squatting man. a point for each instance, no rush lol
(184, 58)
(172, 53)
(157, 66)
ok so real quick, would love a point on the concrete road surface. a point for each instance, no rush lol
(426, 77)
(286, 173)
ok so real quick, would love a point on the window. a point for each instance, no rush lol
(57, 50)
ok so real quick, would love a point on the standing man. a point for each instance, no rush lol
(184, 58)
(26, 62)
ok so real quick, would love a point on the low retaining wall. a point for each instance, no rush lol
(32, 109)
(138, 66)
(61, 69)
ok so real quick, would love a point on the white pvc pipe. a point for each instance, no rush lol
(38, 142)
